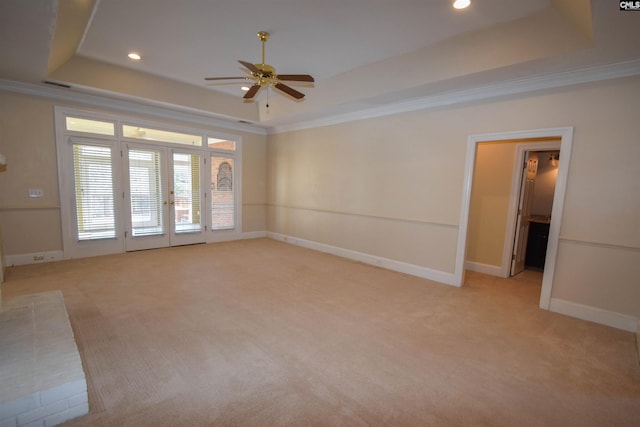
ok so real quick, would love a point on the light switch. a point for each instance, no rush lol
(35, 192)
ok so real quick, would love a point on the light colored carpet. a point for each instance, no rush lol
(262, 333)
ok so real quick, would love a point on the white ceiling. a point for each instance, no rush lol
(188, 40)
(363, 53)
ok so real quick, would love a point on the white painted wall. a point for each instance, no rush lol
(392, 186)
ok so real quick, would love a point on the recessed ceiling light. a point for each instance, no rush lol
(245, 88)
(461, 4)
(135, 56)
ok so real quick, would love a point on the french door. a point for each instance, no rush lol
(164, 196)
(128, 185)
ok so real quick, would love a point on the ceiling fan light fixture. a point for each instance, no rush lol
(134, 56)
(461, 4)
(244, 88)
(264, 75)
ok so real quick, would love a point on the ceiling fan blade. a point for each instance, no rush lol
(250, 67)
(225, 78)
(296, 77)
(253, 90)
(289, 91)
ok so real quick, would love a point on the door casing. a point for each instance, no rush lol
(565, 134)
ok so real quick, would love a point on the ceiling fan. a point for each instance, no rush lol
(264, 74)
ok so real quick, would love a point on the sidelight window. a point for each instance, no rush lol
(93, 181)
(222, 195)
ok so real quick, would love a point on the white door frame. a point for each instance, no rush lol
(565, 134)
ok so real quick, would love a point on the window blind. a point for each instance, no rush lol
(145, 193)
(94, 192)
(186, 185)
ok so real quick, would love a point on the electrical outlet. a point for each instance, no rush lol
(36, 192)
(38, 257)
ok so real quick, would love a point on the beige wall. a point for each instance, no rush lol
(490, 198)
(27, 139)
(354, 186)
(392, 186)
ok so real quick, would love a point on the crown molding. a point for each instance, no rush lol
(172, 111)
(512, 87)
(134, 105)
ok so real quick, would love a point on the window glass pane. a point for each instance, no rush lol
(90, 126)
(94, 192)
(222, 197)
(148, 134)
(146, 193)
(186, 187)
(221, 144)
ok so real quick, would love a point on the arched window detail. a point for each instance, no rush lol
(223, 207)
(225, 177)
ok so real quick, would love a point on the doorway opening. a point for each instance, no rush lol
(555, 139)
(536, 181)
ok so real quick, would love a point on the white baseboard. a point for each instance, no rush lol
(596, 315)
(638, 339)
(254, 234)
(33, 258)
(493, 270)
(232, 235)
(39, 257)
(389, 264)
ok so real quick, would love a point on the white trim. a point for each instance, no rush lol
(51, 256)
(389, 264)
(133, 105)
(33, 258)
(231, 235)
(492, 270)
(491, 91)
(594, 314)
(254, 235)
(566, 140)
(638, 340)
(514, 199)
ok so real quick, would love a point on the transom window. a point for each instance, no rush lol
(158, 135)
